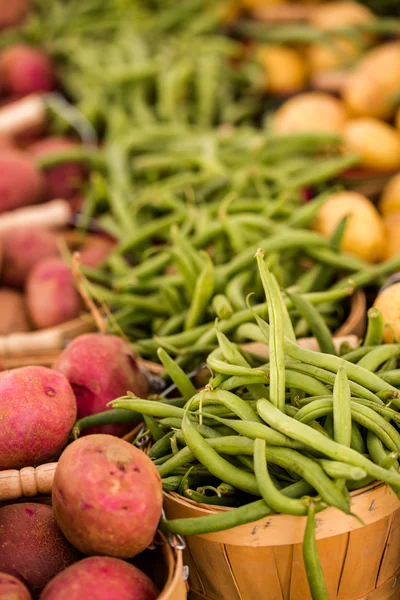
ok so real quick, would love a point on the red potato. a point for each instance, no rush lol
(101, 368)
(32, 548)
(50, 293)
(13, 12)
(63, 181)
(96, 252)
(21, 183)
(100, 578)
(37, 412)
(13, 313)
(23, 247)
(13, 589)
(26, 70)
(107, 496)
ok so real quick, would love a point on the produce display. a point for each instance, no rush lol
(199, 294)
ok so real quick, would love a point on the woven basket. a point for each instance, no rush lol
(264, 559)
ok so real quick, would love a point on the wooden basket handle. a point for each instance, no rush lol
(22, 115)
(35, 342)
(27, 482)
(55, 213)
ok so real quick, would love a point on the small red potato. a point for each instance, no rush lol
(26, 70)
(13, 313)
(96, 252)
(21, 183)
(107, 496)
(37, 412)
(63, 181)
(50, 293)
(101, 368)
(32, 547)
(23, 247)
(100, 578)
(12, 588)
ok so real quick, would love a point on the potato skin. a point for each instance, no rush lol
(13, 13)
(23, 248)
(100, 578)
(12, 588)
(107, 496)
(32, 547)
(376, 142)
(62, 181)
(101, 368)
(26, 70)
(37, 412)
(311, 111)
(389, 201)
(21, 183)
(50, 293)
(388, 302)
(363, 217)
(13, 313)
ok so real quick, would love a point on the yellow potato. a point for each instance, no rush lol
(365, 233)
(371, 87)
(392, 228)
(376, 142)
(285, 69)
(257, 4)
(312, 111)
(388, 302)
(334, 16)
(389, 201)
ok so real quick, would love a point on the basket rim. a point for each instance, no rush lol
(371, 504)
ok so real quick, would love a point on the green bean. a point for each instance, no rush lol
(229, 400)
(306, 214)
(234, 290)
(371, 273)
(217, 465)
(272, 496)
(315, 322)
(153, 427)
(385, 411)
(357, 441)
(315, 575)
(107, 417)
(342, 409)
(221, 521)
(222, 306)
(379, 355)
(163, 459)
(255, 430)
(171, 484)
(391, 377)
(216, 363)
(203, 292)
(355, 355)
(305, 434)
(340, 470)
(172, 325)
(148, 407)
(374, 334)
(212, 500)
(161, 447)
(177, 375)
(276, 336)
(172, 299)
(380, 456)
(149, 230)
(328, 377)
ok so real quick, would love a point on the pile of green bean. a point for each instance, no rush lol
(293, 435)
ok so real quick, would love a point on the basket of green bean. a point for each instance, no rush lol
(283, 475)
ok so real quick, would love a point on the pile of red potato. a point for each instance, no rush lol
(107, 494)
(37, 289)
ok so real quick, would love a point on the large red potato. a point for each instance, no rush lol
(101, 368)
(25, 70)
(100, 578)
(50, 293)
(63, 181)
(37, 412)
(32, 547)
(107, 496)
(21, 183)
(23, 247)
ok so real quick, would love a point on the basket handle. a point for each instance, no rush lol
(28, 482)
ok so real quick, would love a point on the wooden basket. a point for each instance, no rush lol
(263, 560)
